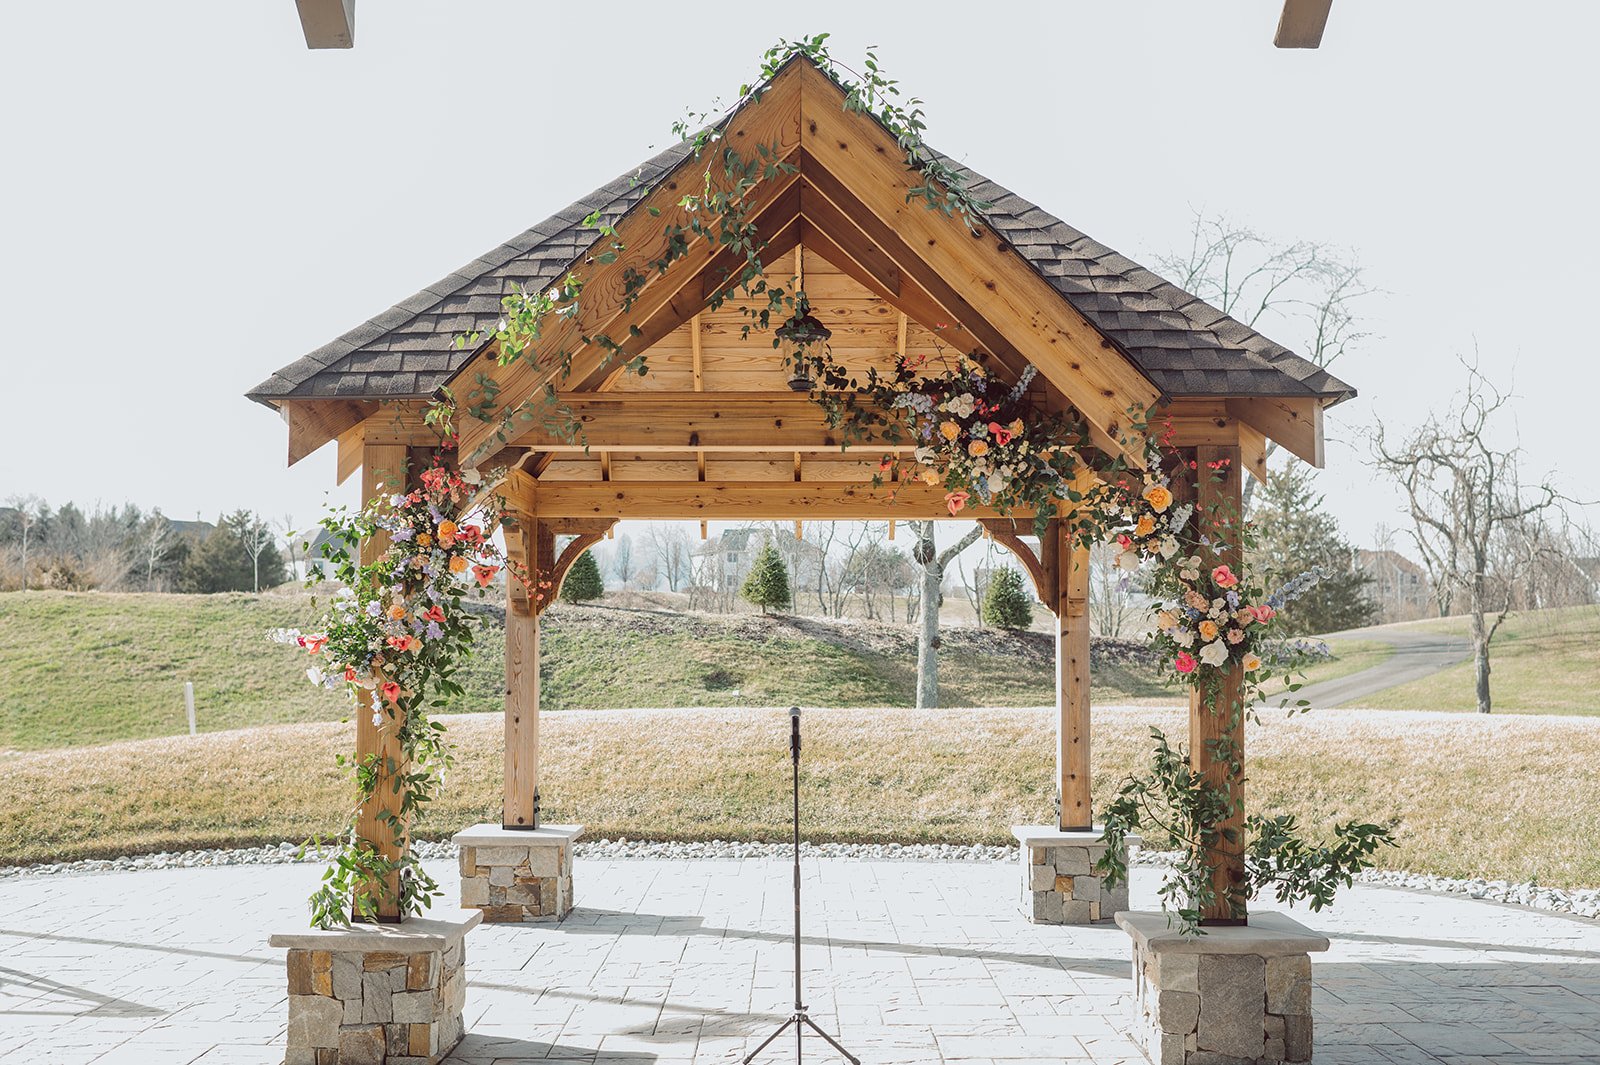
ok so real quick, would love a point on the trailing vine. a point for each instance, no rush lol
(391, 638)
(1212, 624)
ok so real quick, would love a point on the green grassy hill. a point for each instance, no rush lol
(1540, 662)
(85, 668)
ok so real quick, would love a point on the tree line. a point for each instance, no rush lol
(124, 549)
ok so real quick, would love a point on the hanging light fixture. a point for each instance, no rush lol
(801, 337)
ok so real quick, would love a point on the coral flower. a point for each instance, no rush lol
(391, 691)
(949, 430)
(399, 642)
(314, 644)
(1184, 663)
(1263, 613)
(434, 613)
(1001, 435)
(977, 448)
(955, 501)
(1224, 577)
(447, 533)
(1159, 498)
(350, 673)
(470, 534)
(484, 574)
(458, 564)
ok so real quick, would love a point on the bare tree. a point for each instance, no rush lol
(1464, 496)
(1114, 603)
(931, 564)
(669, 543)
(293, 539)
(1304, 291)
(29, 511)
(622, 559)
(256, 536)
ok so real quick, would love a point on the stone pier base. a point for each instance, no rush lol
(1059, 884)
(1234, 996)
(377, 994)
(514, 875)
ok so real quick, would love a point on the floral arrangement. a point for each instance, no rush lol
(391, 639)
(1212, 622)
(975, 435)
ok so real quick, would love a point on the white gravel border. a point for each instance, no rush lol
(1584, 902)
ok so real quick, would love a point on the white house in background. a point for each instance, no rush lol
(1400, 587)
(722, 563)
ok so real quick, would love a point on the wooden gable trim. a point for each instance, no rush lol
(1294, 422)
(314, 422)
(979, 266)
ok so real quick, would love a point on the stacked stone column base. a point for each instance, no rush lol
(377, 994)
(1059, 884)
(1238, 995)
(516, 875)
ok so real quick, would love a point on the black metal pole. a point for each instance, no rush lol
(800, 1020)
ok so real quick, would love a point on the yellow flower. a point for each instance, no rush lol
(1016, 427)
(1158, 497)
(1166, 619)
(1251, 663)
(930, 476)
(458, 564)
(978, 447)
(949, 430)
(1146, 526)
(1208, 630)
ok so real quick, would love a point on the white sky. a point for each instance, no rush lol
(191, 198)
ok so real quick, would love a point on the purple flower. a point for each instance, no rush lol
(434, 631)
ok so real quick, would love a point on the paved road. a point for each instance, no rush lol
(1416, 655)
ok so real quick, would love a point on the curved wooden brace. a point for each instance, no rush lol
(1042, 566)
(557, 571)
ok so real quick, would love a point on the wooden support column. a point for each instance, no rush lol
(383, 471)
(1072, 680)
(1216, 735)
(523, 544)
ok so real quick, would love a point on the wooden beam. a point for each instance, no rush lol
(979, 265)
(1072, 681)
(1216, 736)
(774, 120)
(1005, 531)
(1296, 423)
(384, 471)
(521, 806)
(328, 23)
(1301, 23)
(688, 421)
(744, 501)
(556, 571)
(313, 423)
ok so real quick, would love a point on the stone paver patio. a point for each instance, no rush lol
(688, 961)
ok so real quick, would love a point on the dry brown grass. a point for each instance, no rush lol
(1502, 796)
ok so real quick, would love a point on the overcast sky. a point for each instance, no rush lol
(192, 198)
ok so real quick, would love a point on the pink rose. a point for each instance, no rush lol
(1184, 663)
(1224, 577)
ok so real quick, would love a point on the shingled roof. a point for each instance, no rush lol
(1182, 344)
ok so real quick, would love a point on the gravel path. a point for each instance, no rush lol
(1582, 902)
(1416, 655)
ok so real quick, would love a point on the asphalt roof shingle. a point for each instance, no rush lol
(1182, 344)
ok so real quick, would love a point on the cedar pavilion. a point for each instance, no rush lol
(714, 432)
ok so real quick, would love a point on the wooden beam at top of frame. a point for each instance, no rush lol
(328, 23)
(978, 265)
(1296, 423)
(1301, 23)
(773, 120)
(694, 421)
(736, 500)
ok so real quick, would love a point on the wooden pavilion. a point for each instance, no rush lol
(713, 432)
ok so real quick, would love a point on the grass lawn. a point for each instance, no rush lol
(1504, 795)
(1541, 662)
(88, 668)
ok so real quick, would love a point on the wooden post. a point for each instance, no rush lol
(1072, 680)
(383, 471)
(1216, 736)
(522, 678)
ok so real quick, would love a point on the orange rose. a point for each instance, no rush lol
(977, 448)
(949, 430)
(458, 564)
(1208, 630)
(1145, 527)
(1159, 498)
(397, 612)
(447, 533)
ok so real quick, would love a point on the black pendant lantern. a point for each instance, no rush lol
(801, 336)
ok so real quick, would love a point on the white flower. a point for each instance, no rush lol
(996, 482)
(316, 676)
(1169, 546)
(1128, 560)
(1183, 637)
(1189, 569)
(1214, 653)
(472, 476)
(377, 719)
(926, 455)
(961, 406)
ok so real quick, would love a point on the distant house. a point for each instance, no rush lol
(722, 563)
(1400, 587)
(313, 557)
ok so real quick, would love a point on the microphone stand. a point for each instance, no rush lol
(800, 1020)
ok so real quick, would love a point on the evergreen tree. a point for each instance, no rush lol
(1294, 534)
(223, 563)
(1005, 601)
(583, 581)
(768, 582)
